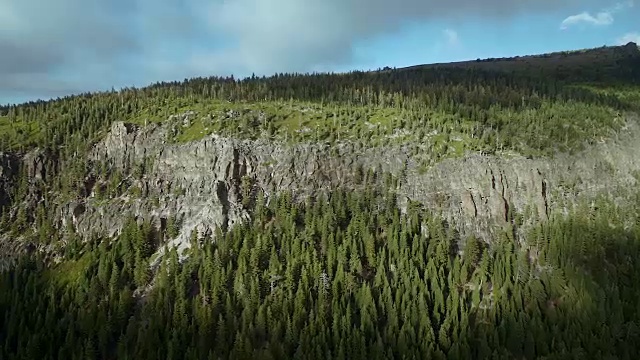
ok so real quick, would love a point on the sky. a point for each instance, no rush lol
(59, 47)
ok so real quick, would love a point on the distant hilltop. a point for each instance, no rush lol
(560, 64)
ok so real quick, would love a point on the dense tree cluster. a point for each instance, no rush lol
(344, 277)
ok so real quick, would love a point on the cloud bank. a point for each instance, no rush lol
(300, 35)
(54, 47)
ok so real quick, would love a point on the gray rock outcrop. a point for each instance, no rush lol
(201, 182)
(9, 164)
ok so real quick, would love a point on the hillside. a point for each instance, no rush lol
(566, 64)
(481, 209)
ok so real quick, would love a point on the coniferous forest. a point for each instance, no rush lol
(342, 277)
(342, 274)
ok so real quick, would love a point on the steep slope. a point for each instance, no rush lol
(8, 172)
(476, 145)
(211, 182)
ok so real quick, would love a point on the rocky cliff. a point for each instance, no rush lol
(8, 171)
(203, 183)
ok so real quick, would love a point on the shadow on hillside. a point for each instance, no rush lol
(588, 309)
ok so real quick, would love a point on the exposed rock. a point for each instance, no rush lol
(10, 250)
(200, 182)
(8, 171)
(36, 163)
(469, 205)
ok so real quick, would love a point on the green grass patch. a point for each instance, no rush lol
(68, 272)
(196, 131)
(19, 133)
(532, 132)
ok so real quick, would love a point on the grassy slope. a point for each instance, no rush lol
(440, 133)
(557, 126)
(27, 131)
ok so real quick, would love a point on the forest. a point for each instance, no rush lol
(342, 274)
(343, 277)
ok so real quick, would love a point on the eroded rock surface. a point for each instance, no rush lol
(201, 182)
(8, 171)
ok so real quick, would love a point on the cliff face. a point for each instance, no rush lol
(203, 182)
(8, 171)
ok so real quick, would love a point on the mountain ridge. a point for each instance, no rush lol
(630, 48)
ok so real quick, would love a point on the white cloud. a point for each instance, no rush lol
(629, 37)
(602, 18)
(624, 5)
(452, 37)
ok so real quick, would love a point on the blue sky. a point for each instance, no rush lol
(59, 47)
